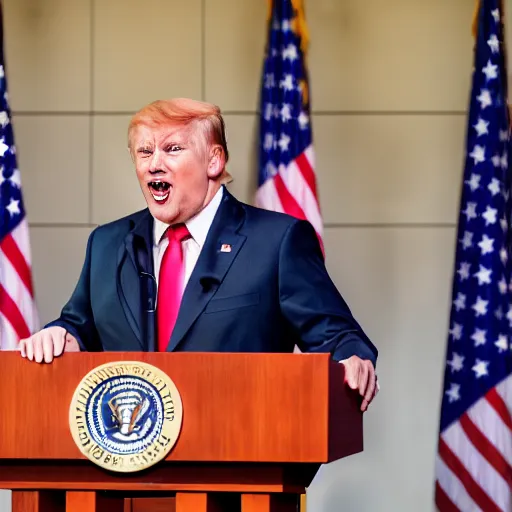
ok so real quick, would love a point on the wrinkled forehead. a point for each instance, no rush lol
(157, 135)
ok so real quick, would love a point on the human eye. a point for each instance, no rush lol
(144, 151)
(174, 148)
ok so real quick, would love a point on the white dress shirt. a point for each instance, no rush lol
(198, 228)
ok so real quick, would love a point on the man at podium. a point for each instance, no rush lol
(197, 270)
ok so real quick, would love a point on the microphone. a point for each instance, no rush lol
(151, 291)
(149, 309)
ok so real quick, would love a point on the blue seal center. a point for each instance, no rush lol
(125, 415)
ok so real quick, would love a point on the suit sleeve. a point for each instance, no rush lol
(312, 304)
(76, 316)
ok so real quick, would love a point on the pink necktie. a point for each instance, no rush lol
(170, 285)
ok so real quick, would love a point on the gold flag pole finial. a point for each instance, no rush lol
(474, 25)
(301, 26)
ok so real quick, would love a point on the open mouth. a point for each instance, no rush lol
(159, 190)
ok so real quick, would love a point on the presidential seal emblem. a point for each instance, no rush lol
(125, 416)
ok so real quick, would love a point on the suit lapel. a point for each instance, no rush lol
(135, 256)
(212, 265)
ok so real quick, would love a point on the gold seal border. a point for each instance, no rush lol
(171, 425)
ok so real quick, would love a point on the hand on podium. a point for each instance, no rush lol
(360, 374)
(45, 345)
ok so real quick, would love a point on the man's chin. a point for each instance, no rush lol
(163, 213)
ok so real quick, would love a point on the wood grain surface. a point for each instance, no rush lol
(236, 407)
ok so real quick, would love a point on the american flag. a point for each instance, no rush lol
(18, 313)
(286, 180)
(474, 459)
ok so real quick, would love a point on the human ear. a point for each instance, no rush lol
(215, 162)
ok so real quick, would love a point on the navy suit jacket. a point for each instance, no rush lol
(268, 294)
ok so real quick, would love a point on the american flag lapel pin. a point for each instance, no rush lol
(225, 248)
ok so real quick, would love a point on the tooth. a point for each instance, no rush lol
(160, 198)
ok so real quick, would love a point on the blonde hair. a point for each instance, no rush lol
(205, 116)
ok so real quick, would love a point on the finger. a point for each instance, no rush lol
(363, 378)
(59, 341)
(29, 347)
(370, 391)
(47, 347)
(71, 344)
(23, 350)
(351, 373)
(38, 348)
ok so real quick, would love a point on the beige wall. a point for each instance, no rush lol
(389, 84)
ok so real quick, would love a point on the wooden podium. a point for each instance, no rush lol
(256, 428)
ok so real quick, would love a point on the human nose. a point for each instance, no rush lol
(155, 164)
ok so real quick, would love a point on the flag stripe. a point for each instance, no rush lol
(486, 419)
(500, 407)
(291, 206)
(13, 253)
(287, 200)
(489, 480)
(9, 340)
(307, 171)
(472, 487)
(504, 388)
(20, 234)
(443, 502)
(310, 154)
(10, 310)
(267, 197)
(486, 449)
(15, 288)
(450, 486)
(299, 189)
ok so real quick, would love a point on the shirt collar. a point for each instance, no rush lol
(198, 226)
